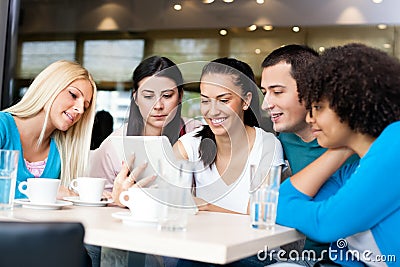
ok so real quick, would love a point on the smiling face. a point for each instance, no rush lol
(281, 100)
(157, 99)
(327, 127)
(70, 104)
(221, 103)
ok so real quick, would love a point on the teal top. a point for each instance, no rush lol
(10, 139)
(299, 153)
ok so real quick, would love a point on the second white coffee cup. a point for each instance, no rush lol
(90, 189)
(144, 203)
(40, 190)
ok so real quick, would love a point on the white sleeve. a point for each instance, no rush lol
(278, 159)
(191, 145)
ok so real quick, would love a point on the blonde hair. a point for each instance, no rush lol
(73, 144)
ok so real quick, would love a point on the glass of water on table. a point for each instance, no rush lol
(264, 193)
(8, 177)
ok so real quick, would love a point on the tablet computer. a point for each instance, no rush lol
(158, 152)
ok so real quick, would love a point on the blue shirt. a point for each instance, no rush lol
(357, 198)
(10, 139)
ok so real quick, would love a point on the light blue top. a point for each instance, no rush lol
(10, 139)
(360, 200)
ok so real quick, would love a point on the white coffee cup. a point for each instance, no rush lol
(144, 203)
(40, 190)
(90, 189)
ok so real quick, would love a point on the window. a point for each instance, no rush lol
(112, 60)
(37, 55)
(254, 50)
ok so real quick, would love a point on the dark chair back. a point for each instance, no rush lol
(44, 244)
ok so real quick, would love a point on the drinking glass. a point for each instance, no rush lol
(8, 177)
(264, 193)
(177, 198)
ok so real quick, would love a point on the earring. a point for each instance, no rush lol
(245, 107)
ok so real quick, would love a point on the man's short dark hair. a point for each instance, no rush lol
(298, 56)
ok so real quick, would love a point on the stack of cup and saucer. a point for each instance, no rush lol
(144, 206)
(90, 190)
(41, 193)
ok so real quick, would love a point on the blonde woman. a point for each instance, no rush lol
(51, 125)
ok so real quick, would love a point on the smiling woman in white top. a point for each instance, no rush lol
(231, 141)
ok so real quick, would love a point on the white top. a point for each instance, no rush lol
(105, 162)
(365, 242)
(266, 151)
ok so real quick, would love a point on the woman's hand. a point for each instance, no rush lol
(203, 205)
(343, 152)
(107, 194)
(126, 179)
(310, 179)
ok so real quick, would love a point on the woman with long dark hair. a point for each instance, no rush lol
(155, 110)
(231, 141)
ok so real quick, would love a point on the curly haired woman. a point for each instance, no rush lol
(353, 94)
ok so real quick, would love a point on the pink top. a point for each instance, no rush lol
(36, 168)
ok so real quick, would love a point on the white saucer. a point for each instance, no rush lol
(79, 202)
(127, 218)
(42, 206)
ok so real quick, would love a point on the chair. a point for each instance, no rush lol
(44, 244)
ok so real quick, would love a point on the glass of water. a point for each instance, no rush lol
(8, 177)
(264, 194)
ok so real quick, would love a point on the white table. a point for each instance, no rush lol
(210, 237)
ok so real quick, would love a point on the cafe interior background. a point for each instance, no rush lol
(111, 37)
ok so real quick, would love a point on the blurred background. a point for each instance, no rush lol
(111, 37)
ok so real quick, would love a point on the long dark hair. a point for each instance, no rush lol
(242, 76)
(161, 67)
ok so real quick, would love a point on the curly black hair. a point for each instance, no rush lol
(361, 84)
